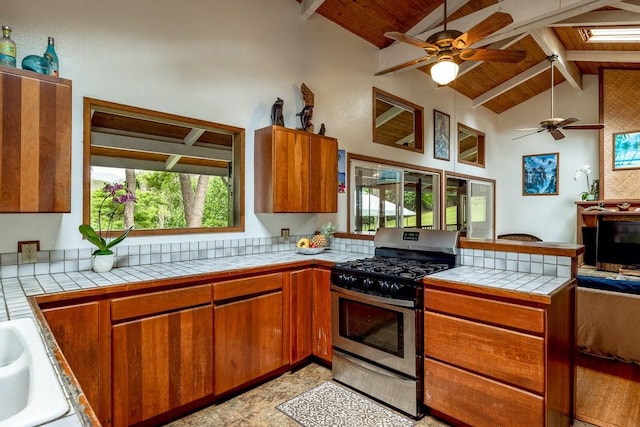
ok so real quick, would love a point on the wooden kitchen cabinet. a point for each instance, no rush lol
(35, 142)
(295, 171)
(162, 352)
(321, 322)
(499, 359)
(249, 330)
(301, 312)
(81, 331)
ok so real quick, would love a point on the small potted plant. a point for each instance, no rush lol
(115, 198)
(592, 189)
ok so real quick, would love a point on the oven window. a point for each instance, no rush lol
(372, 326)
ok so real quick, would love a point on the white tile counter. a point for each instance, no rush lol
(516, 281)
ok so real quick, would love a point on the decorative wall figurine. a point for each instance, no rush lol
(307, 111)
(322, 130)
(277, 118)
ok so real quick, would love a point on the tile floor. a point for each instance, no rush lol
(257, 407)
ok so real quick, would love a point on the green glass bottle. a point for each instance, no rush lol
(7, 48)
(51, 56)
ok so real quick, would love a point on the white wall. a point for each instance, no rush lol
(226, 61)
(548, 217)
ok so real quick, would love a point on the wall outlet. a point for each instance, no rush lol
(29, 251)
(284, 235)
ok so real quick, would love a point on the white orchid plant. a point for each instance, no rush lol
(591, 187)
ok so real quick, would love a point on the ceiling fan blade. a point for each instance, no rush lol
(493, 23)
(401, 66)
(401, 37)
(566, 122)
(530, 129)
(528, 134)
(594, 126)
(493, 55)
(556, 134)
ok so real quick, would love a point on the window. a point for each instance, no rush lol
(186, 174)
(470, 206)
(391, 195)
(396, 122)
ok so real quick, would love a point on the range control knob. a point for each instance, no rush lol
(394, 289)
(367, 283)
(384, 287)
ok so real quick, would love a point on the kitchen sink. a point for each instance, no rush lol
(30, 391)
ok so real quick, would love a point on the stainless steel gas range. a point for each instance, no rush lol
(376, 314)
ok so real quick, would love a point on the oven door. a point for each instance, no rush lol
(375, 329)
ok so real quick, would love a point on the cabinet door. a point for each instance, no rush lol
(160, 363)
(86, 349)
(35, 142)
(301, 303)
(321, 324)
(323, 174)
(290, 171)
(249, 340)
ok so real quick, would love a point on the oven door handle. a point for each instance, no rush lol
(368, 297)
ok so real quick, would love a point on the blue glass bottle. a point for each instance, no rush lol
(52, 57)
(7, 48)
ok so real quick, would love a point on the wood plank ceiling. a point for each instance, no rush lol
(541, 28)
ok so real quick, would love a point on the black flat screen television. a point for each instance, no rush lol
(618, 242)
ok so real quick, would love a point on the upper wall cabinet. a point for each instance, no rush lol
(35, 142)
(295, 171)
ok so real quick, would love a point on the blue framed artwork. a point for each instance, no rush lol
(626, 150)
(540, 174)
(342, 174)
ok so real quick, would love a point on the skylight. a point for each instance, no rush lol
(611, 35)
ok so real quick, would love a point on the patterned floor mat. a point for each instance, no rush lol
(331, 405)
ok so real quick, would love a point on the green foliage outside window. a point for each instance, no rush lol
(159, 201)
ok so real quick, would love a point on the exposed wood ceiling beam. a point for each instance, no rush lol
(549, 43)
(511, 83)
(189, 140)
(601, 18)
(126, 163)
(406, 140)
(99, 139)
(629, 5)
(603, 56)
(388, 115)
(309, 7)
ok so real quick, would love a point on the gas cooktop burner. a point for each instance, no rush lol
(393, 267)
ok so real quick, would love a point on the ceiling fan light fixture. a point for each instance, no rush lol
(444, 71)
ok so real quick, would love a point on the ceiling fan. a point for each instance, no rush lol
(554, 124)
(447, 44)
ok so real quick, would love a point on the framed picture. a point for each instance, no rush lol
(342, 175)
(540, 174)
(441, 135)
(626, 150)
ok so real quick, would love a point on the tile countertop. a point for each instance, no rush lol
(533, 285)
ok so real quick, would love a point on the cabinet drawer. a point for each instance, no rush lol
(247, 286)
(159, 302)
(479, 401)
(505, 355)
(496, 312)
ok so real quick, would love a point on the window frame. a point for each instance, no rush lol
(352, 159)
(237, 165)
(466, 207)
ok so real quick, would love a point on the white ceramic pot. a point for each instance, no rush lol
(102, 263)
